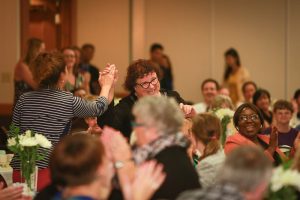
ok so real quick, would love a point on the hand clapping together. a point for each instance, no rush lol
(137, 182)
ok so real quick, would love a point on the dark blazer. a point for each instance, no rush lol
(120, 116)
(181, 175)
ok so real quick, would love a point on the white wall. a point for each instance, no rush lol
(10, 47)
(105, 23)
(196, 33)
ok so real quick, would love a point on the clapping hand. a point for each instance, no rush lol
(12, 193)
(148, 178)
(273, 140)
(188, 110)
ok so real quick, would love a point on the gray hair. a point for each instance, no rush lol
(246, 168)
(160, 112)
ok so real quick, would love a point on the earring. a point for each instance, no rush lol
(237, 128)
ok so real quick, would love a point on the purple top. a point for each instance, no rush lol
(284, 138)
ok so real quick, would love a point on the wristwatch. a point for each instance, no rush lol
(119, 163)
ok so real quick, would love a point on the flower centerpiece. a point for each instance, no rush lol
(26, 146)
(285, 182)
(225, 115)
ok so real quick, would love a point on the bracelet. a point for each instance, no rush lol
(120, 163)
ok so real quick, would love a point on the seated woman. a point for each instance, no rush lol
(142, 79)
(157, 126)
(288, 137)
(75, 81)
(206, 131)
(49, 109)
(249, 121)
(262, 99)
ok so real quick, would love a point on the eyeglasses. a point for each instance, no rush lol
(146, 85)
(244, 118)
(134, 124)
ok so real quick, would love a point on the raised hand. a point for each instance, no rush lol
(273, 139)
(188, 110)
(148, 178)
(116, 144)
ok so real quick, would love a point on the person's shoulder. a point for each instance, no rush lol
(218, 157)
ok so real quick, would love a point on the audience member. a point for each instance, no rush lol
(141, 80)
(224, 91)
(157, 56)
(206, 131)
(248, 89)
(157, 125)
(87, 54)
(75, 80)
(262, 99)
(248, 121)
(221, 101)
(244, 176)
(296, 117)
(23, 71)
(37, 110)
(288, 138)
(209, 89)
(235, 75)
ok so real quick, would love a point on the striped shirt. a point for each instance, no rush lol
(49, 112)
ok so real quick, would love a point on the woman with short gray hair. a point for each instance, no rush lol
(157, 126)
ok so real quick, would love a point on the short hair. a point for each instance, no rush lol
(75, 160)
(87, 46)
(156, 46)
(236, 116)
(161, 112)
(297, 94)
(246, 168)
(283, 104)
(258, 93)
(139, 69)
(248, 83)
(207, 128)
(219, 100)
(210, 80)
(47, 68)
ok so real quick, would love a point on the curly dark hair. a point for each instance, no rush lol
(239, 110)
(47, 69)
(139, 69)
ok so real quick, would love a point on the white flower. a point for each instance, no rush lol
(28, 142)
(220, 113)
(28, 134)
(43, 141)
(281, 178)
(11, 141)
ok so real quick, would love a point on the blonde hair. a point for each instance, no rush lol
(47, 68)
(220, 100)
(207, 128)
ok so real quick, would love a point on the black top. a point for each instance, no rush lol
(167, 78)
(94, 71)
(181, 175)
(120, 116)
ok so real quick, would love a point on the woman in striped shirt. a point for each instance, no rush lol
(49, 110)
